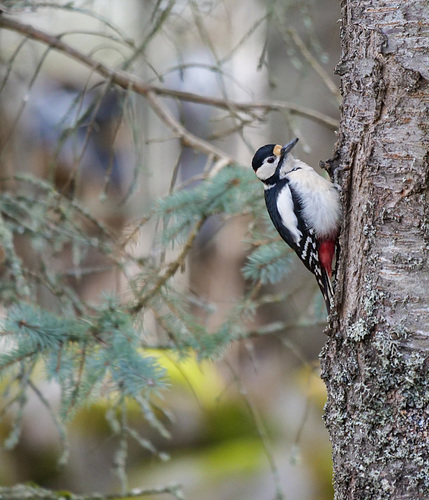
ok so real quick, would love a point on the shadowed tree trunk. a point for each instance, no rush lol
(375, 363)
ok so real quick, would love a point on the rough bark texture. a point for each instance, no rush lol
(375, 362)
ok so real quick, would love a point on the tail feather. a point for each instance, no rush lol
(325, 286)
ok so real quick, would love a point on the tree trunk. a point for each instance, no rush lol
(375, 362)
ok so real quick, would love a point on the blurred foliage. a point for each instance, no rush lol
(97, 231)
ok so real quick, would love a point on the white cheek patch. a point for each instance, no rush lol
(266, 170)
(287, 215)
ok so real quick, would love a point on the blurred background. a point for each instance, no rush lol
(248, 425)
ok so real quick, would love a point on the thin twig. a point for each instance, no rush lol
(275, 329)
(261, 429)
(58, 424)
(308, 56)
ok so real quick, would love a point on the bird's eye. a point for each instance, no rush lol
(271, 159)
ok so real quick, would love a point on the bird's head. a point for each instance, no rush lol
(268, 160)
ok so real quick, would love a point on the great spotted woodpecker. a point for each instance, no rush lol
(304, 208)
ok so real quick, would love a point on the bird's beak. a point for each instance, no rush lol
(288, 147)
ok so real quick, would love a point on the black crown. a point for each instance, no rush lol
(261, 154)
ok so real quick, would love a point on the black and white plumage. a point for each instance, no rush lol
(304, 208)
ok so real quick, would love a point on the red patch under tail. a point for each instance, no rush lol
(326, 255)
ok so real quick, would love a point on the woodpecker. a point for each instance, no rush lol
(304, 208)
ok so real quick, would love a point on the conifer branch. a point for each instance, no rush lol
(172, 268)
(18, 359)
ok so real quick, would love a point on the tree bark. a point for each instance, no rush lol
(375, 362)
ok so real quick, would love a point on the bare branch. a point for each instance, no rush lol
(186, 138)
(130, 82)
